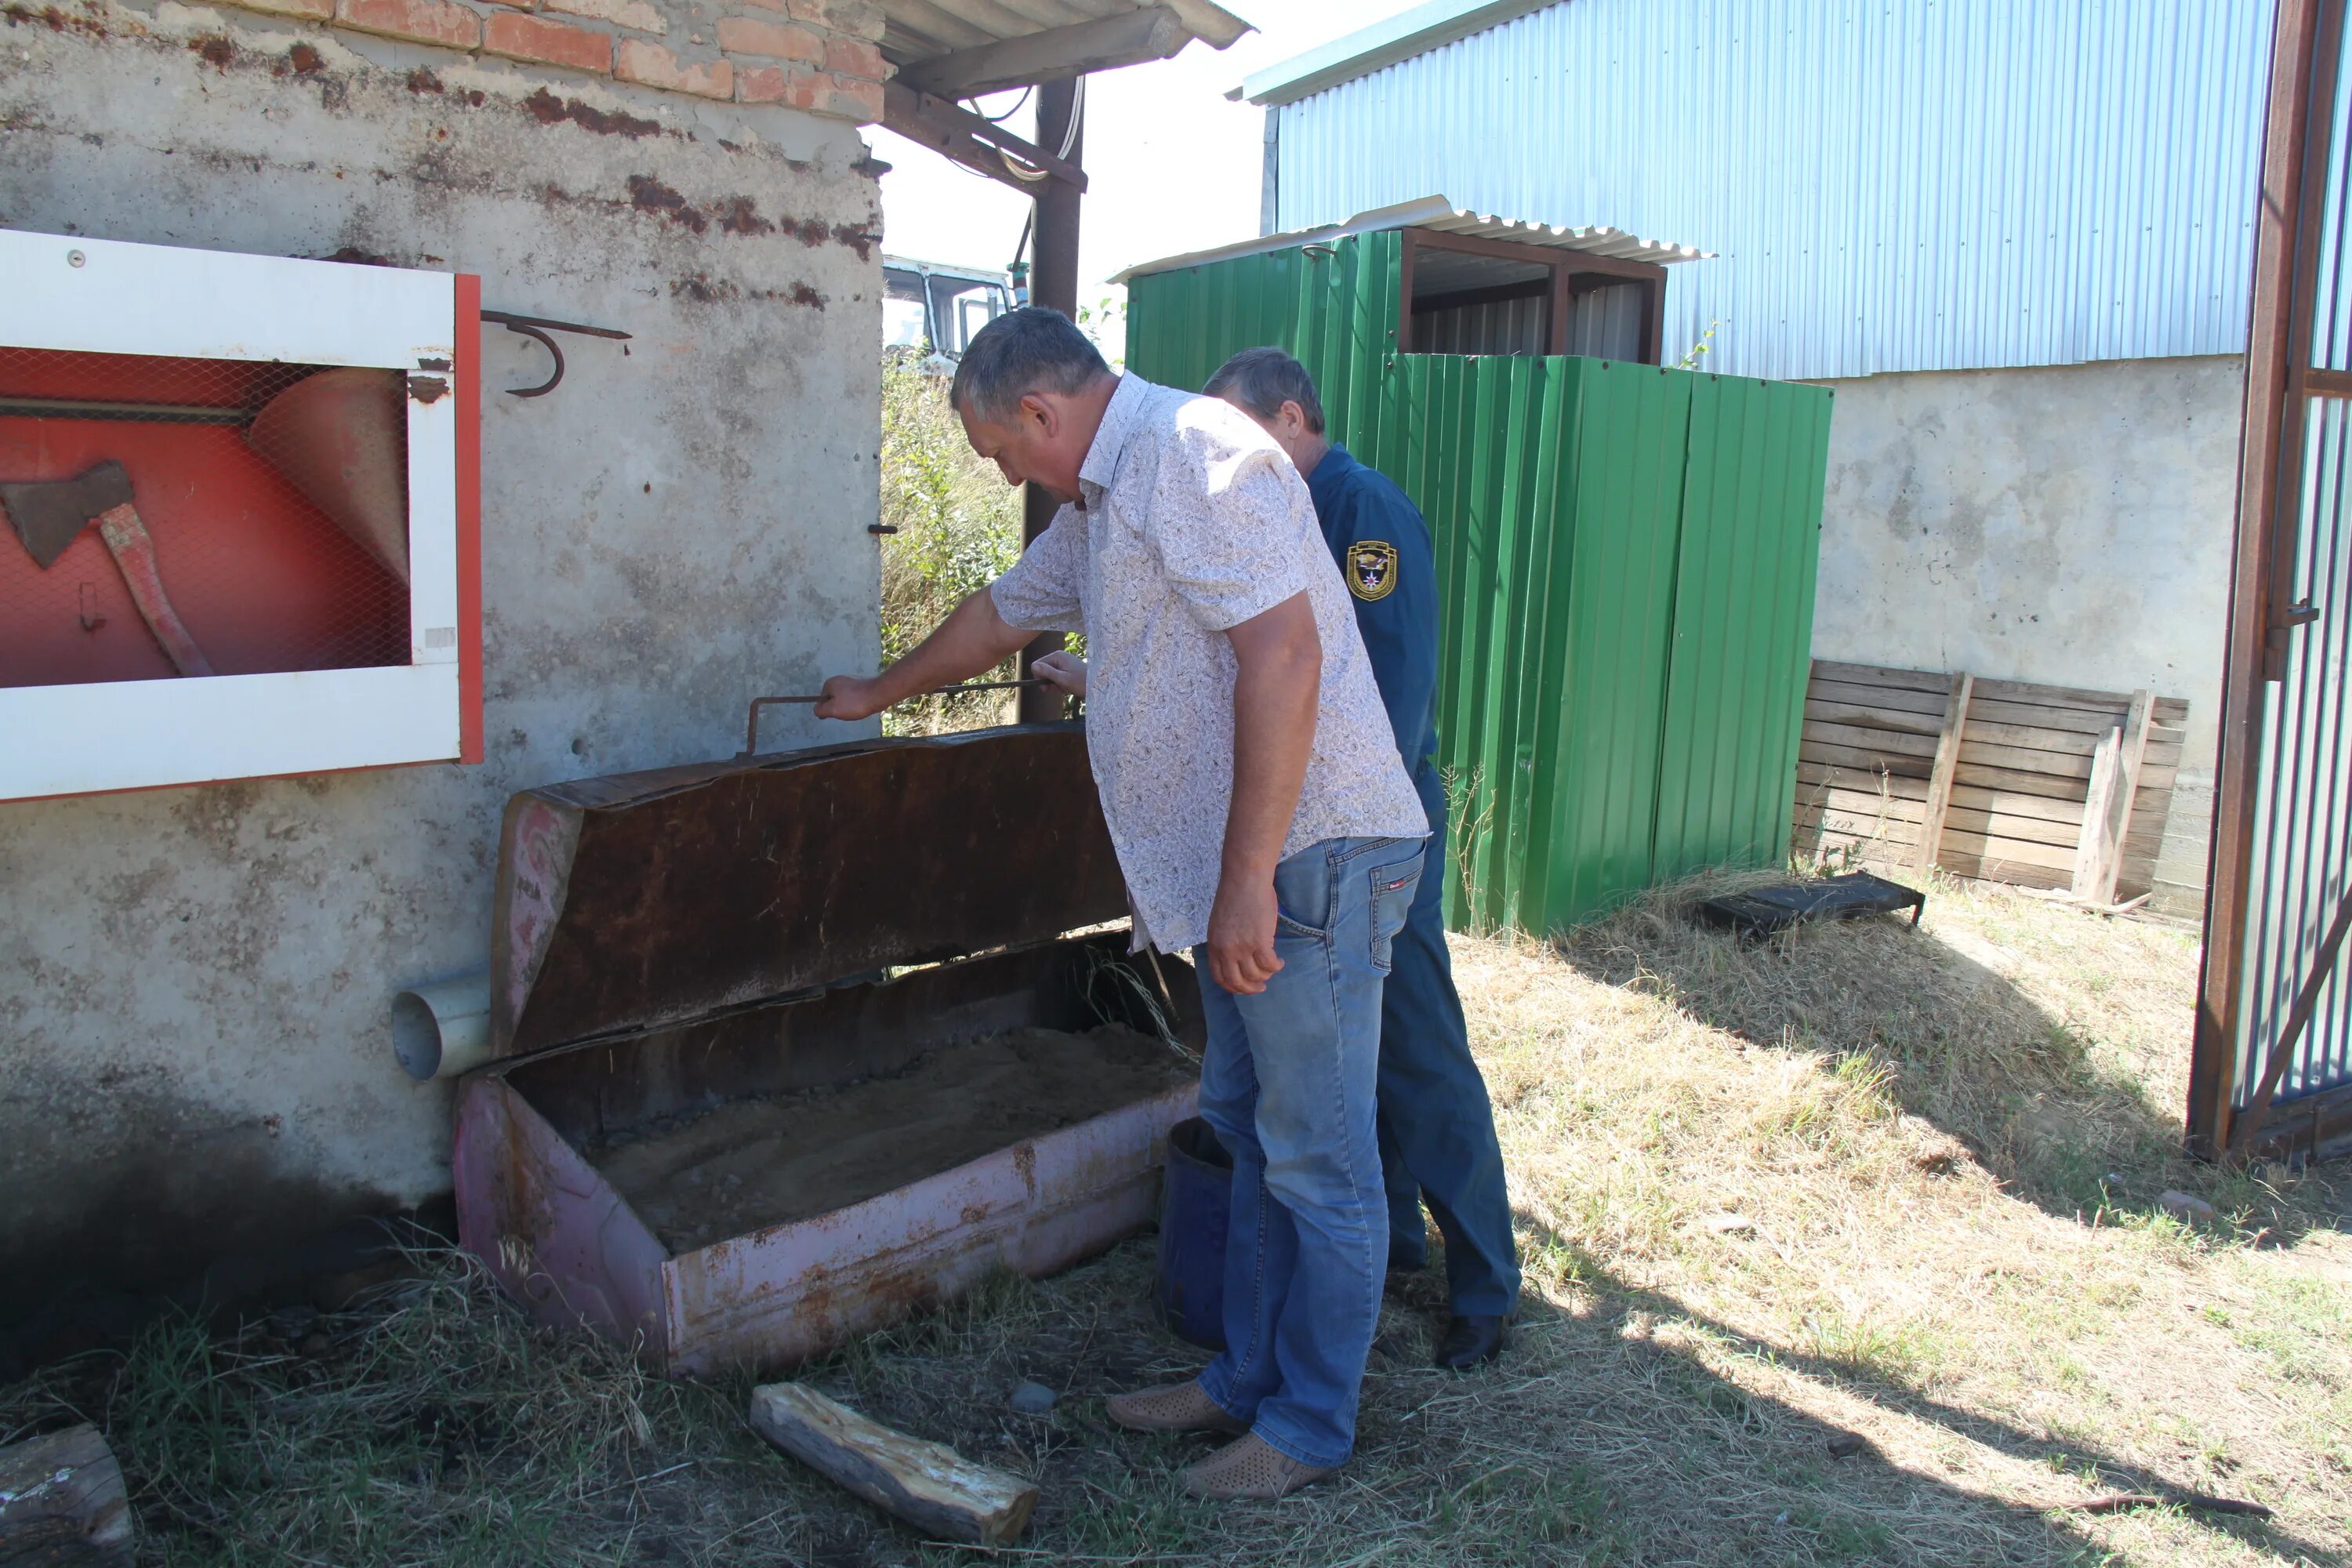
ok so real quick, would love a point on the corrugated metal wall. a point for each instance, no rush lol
(1626, 557)
(1892, 184)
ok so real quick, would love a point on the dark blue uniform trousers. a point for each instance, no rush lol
(1436, 1127)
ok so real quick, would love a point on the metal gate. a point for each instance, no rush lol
(2273, 1067)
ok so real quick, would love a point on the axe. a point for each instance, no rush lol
(50, 514)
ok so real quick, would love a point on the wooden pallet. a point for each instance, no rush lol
(1991, 779)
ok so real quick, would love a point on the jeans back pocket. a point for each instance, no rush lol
(1394, 887)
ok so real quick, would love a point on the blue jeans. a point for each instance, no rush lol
(1437, 1128)
(1289, 1083)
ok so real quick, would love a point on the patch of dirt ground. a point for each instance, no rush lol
(1845, 1249)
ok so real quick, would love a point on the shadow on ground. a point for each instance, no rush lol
(2061, 1122)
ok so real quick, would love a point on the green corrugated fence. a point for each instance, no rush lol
(1627, 561)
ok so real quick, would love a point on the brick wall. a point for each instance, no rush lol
(818, 56)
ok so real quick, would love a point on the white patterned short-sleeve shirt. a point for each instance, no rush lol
(1193, 522)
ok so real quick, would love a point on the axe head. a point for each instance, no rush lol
(49, 513)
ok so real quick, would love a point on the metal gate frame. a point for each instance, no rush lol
(2281, 381)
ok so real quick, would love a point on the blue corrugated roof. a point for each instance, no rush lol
(1891, 185)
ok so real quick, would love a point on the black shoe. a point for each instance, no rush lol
(1401, 1264)
(1472, 1341)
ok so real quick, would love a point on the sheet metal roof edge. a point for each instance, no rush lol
(1361, 53)
(1203, 19)
(1438, 213)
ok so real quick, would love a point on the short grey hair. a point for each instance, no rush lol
(1029, 349)
(1262, 380)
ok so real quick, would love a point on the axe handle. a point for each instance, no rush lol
(134, 555)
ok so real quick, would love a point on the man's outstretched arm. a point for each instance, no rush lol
(971, 641)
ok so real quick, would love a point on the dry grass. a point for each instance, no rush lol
(1865, 1183)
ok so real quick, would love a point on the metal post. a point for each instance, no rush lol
(1053, 281)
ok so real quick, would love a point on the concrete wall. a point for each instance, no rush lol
(2066, 525)
(195, 1053)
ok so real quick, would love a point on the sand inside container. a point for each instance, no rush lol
(703, 1177)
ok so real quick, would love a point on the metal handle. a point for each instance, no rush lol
(752, 717)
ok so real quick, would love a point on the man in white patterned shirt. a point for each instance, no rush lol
(1262, 817)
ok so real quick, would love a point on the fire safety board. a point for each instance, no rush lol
(282, 458)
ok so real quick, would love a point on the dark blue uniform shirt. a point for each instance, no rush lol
(1383, 549)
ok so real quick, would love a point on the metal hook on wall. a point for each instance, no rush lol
(536, 328)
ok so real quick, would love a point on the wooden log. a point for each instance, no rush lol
(1948, 760)
(928, 1485)
(62, 1502)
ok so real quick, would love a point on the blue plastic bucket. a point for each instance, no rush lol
(1195, 1208)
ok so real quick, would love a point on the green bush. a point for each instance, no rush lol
(959, 526)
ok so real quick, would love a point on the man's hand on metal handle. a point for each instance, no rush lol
(1241, 935)
(850, 697)
(1065, 671)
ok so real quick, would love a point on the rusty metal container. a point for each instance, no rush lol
(694, 940)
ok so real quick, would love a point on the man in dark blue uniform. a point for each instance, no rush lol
(1436, 1127)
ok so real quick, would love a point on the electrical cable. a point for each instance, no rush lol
(1078, 118)
(973, 104)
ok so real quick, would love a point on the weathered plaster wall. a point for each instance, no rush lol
(194, 1056)
(2068, 525)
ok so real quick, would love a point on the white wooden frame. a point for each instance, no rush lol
(106, 297)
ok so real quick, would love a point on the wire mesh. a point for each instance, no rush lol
(264, 529)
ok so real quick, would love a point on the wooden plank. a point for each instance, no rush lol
(1869, 851)
(1874, 675)
(2034, 738)
(2094, 848)
(2068, 813)
(2056, 766)
(2054, 858)
(2028, 760)
(928, 1485)
(2025, 829)
(2115, 823)
(1855, 757)
(2040, 716)
(1867, 802)
(1895, 700)
(2019, 781)
(1850, 714)
(1960, 863)
(1867, 740)
(1856, 824)
(1900, 786)
(62, 1501)
(1947, 758)
(2054, 696)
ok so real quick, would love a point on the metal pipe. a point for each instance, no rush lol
(1053, 282)
(444, 1030)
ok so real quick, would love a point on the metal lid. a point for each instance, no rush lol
(653, 898)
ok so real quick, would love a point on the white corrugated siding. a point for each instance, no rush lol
(1891, 185)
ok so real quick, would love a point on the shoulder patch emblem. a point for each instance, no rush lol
(1371, 568)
